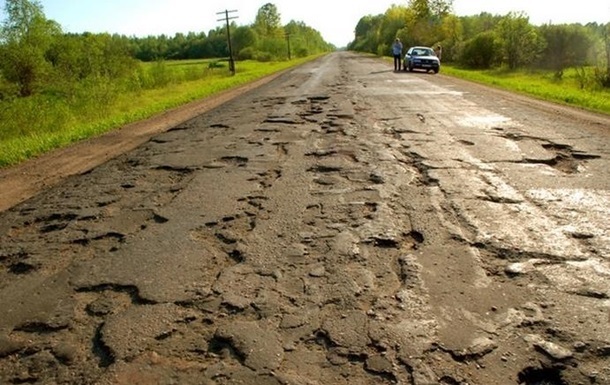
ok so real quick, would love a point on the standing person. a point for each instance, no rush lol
(439, 51)
(397, 52)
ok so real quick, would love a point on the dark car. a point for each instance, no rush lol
(422, 58)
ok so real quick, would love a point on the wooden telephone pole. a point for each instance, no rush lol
(288, 43)
(227, 18)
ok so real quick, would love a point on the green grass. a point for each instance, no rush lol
(574, 88)
(56, 118)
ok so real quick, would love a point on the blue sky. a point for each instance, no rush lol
(334, 19)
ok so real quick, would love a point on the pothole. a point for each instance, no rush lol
(105, 355)
(320, 168)
(567, 160)
(561, 162)
(223, 347)
(21, 268)
(541, 376)
(239, 161)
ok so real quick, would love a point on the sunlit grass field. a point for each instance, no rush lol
(575, 88)
(55, 118)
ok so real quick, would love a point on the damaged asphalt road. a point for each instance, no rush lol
(343, 224)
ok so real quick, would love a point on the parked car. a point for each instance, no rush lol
(422, 58)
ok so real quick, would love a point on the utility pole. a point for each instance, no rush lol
(288, 42)
(227, 18)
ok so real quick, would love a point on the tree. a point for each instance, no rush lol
(367, 34)
(483, 22)
(244, 37)
(215, 45)
(425, 24)
(394, 19)
(604, 76)
(566, 46)
(305, 40)
(93, 59)
(268, 22)
(177, 46)
(25, 37)
(440, 8)
(451, 34)
(479, 52)
(271, 40)
(519, 40)
(194, 45)
(431, 9)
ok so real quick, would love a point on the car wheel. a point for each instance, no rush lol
(436, 70)
(410, 68)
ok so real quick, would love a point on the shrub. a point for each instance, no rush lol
(263, 56)
(602, 77)
(216, 64)
(8, 90)
(479, 52)
(384, 50)
(246, 54)
(159, 75)
(302, 52)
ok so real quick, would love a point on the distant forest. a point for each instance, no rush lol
(266, 39)
(36, 55)
(488, 41)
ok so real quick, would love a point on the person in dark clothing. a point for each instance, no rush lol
(397, 52)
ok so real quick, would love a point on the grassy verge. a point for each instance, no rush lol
(32, 126)
(572, 89)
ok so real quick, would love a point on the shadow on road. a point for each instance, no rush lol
(382, 72)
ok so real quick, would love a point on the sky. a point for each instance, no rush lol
(334, 19)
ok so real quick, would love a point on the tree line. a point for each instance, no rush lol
(266, 39)
(36, 55)
(487, 41)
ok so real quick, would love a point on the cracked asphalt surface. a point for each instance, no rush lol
(342, 224)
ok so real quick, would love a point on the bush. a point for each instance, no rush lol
(246, 54)
(263, 56)
(159, 75)
(8, 90)
(384, 50)
(216, 64)
(603, 77)
(302, 52)
(480, 52)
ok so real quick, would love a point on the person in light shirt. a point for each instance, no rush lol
(397, 52)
